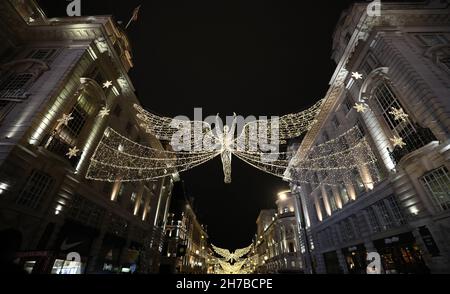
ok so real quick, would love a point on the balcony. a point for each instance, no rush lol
(414, 141)
(59, 148)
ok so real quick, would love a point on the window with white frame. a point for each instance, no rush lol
(437, 182)
(80, 113)
(387, 101)
(37, 185)
(15, 86)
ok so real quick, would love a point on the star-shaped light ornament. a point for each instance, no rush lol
(357, 75)
(360, 107)
(399, 114)
(107, 84)
(103, 112)
(73, 152)
(398, 142)
(64, 120)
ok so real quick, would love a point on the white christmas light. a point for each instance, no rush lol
(399, 114)
(360, 107)
(103, 112)
(398, 142)
(64, 120)
(73, 152)
(107, 84)
(236, 255)
(357, 75)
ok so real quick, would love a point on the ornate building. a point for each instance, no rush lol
(401, 208)
(186, 248)
(277, 243)
(62, 82)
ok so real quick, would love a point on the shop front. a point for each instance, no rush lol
(68, 255)
(74, 241)
(401, 255)
(110, 254)
(355, 258)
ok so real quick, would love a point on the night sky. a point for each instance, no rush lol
(249, 57)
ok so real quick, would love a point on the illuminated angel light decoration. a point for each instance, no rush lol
(228, 256)
(232, 269)
(117, 158)
(232, 263)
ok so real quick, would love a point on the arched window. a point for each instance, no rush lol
(386, 105)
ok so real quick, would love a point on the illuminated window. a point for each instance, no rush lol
(437, 183)
(15, 86)
(37, 185)
(133, 197)
(357, 182)
(332, 200)
(344, 194)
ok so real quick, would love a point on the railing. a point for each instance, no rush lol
(414, 141)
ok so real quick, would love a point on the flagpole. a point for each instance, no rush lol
(134, 17)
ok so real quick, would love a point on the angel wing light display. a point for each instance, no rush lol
(231, 257)
(192, 143)
(232, 263)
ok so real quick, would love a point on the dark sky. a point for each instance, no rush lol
(249, 57)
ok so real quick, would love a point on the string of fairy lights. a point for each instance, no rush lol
(117, 158)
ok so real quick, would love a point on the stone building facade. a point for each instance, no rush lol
(50, 68)
(401, 210)
(277, 243)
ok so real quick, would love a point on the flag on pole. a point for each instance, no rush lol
(135, 16)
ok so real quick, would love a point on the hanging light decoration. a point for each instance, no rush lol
(118, 158)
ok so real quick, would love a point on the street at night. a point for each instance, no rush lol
(224, 144)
